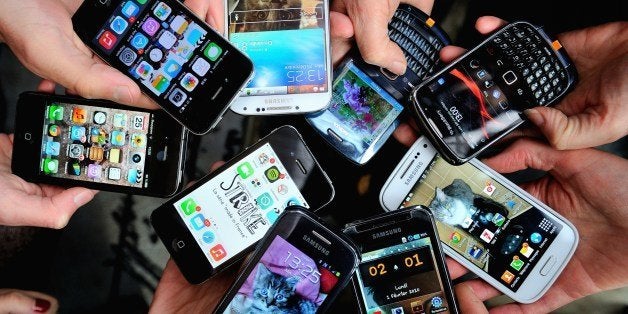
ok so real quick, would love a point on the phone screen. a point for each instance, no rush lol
(399, 274)
(485, 222)
(163, 48)
(96, 144)
(359, 113)
(286, 41)
(234, 209)
(290, 277)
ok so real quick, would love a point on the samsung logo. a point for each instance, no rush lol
(277, 101)
(413, 173)
(380, 234)
(316, 245)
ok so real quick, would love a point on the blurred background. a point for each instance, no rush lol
(108, 258)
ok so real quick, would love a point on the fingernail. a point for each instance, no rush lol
(41, 305)
(122, 94)
(83, 197)
(398, 67)
(534, 116)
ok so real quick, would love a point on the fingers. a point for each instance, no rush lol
(405, 134)
(523, 154)
(341, 34)
(488, 24)
(46, 86)
(216, 165)
(450, 53)
(423, 5)
(52, 210)
(455, 269)
(468, 301)
(21, 301)
(213, 12)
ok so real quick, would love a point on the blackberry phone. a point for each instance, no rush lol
(479, 98)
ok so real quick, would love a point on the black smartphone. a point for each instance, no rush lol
(299, 267)
(403, 268)
(178, 60)
(73, 141)
(216, 221)
(368, 101)
(480, 97)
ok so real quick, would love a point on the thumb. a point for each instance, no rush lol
(568, 132)
(469, 302)
(58, 207)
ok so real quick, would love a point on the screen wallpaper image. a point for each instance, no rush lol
(285, 280)
(483, 221)
(234, 209)
(402, 278)
(286, 41)
(95, 144)
(163, 48)
(360, 111)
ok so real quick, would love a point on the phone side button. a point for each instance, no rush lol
(549, 265)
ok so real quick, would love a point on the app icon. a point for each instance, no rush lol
(397, 310)
(545, 225)
(144, 70)
(263, 159)
(437, 302)
(487, 236)
(536, 238)
(52, 148)
(282, 189)
(118, 138)
(498, 219)
(455, 238)
(55, 112)
(141, 1)
(245, 170)
(218, 252)
(79, 115)
(127, 56)
(488, 84)
(199, 222)
(264, 201)
(118, 25)
(179, 24)
(119, 120)
(160, 83)
(466, 222)
(77, 133)
(476, 252)
(516, 263)
(272, 174)
(139, 41)
(404, 240)
(138, 140)
(172, 68)
(489, 188)
(511, 204)
(200, 66)
(100, 117)
(130, 9)
(54, 130)
(138, 122)
(177, 97)
(155, 54)
(96, 153)
(74, 168)
(98, 136)
(189, 82)
(94, 171)
(293, 201)
(272, 215)
(107, 39)
(195, 36)
(496, 93)
(208, 237)
(167, 39)
(114, 174)
(212, 51)
(134, 176)
(76, 151)
(50, 165)
(507, 277)
(137, 157)
(417, 307)
(482, 74)
(256, 183)
(526, 250)
(114, 155)
(150, 26)
(189, 206)
(162, 11)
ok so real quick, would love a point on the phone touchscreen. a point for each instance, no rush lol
(484, 221)
(96, 144)
(286, 41)
(400, 274)
(234, 209)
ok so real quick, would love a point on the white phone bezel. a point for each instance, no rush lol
(287, 103)
(559, 252)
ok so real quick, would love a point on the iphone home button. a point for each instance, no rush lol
(27, 136)
(549, 265)
(178, 244)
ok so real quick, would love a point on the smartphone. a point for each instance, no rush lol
(477, 99)
(178, 60)
(403, 268)
(368, 101)
(216, 221)
(299, 267)
(487, 223)
(73, 141)
(289, 44)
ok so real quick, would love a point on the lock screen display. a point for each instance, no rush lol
(485, 222)
(233, 210)
(96, 144)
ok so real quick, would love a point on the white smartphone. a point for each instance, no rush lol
(288, 42)
(487, 223)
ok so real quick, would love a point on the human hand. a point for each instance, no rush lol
(368, 21)
(21, 301)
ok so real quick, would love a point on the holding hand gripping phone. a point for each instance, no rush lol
(403, 268)
(179, 61)
(216, 221)
(479, 98)
(299, 267)
(487, 223)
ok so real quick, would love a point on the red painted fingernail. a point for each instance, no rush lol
(41, 305)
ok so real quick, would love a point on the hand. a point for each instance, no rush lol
(20, 301)
(368, 21)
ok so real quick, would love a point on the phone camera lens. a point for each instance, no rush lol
(136, 158)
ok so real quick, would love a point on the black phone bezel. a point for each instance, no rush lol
(203, 114)
(345, 254)
(171, 228)
(425, 222)
(165, 177)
